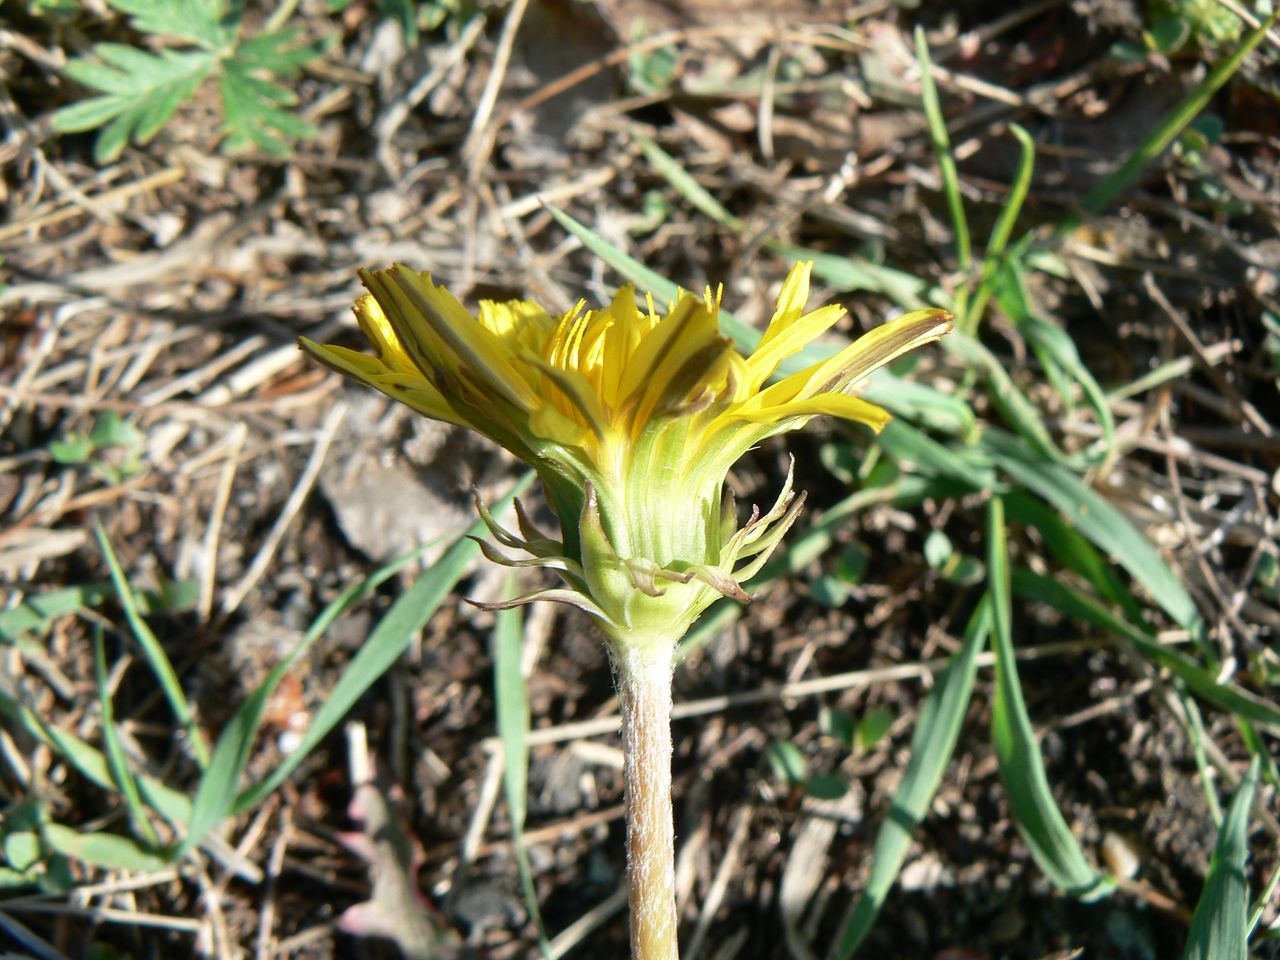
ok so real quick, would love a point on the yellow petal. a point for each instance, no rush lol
(436, 331)
(410, 388)
(826, 404)
(378, 331)
(790, 329)
(869, 352)
(654, 345)
(788, 334)
(519, 321)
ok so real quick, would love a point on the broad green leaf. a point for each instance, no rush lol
(1220, 928)
(873, 726)
(840, 724)
(112, 430)
(143, 90)
(932, 744)
(826, 786)
(22, 849)
(280, 52)
(1091, 514)
(788, 762)
(251, 117)
(107, 850)
(1031, 802)
(86, 115)
(389, 639)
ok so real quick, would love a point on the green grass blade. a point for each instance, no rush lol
(1172, 125)
(1070, 548)
(91, 764)
(1003, 229)
(154, 653)
(932, 744)
(512, 703)
(117, 761)
(1031, 802)
(1220, 926)
(216, 793)
(1104, 525)
(1054, 347)
(1194, 725)
(1235, 700)
(966, 465)
(942, 150)
(921, 404)
(857, 273)
(669, 167)
(1008, 217)
(386, 643)
(1264, 898)
(1018, 411)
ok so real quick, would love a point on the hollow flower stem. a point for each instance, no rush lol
(644, 687)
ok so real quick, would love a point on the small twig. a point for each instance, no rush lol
(855, 679)
(764, 121)
(489, 787)
(235, 596)
(593, 919)
(275, 867)
(399, 110)
(739, 829)
(213, 532)
(1210, 578)
(96, 204)
(481, 138)
(1246, 409)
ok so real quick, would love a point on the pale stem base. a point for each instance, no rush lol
(644, 687)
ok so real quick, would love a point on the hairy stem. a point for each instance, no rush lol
(644, 686)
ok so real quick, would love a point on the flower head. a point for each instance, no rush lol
(631, 417)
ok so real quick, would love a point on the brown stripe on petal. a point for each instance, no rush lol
(675, 399)
(884, 350)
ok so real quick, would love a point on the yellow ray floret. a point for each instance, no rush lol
(599, 382)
